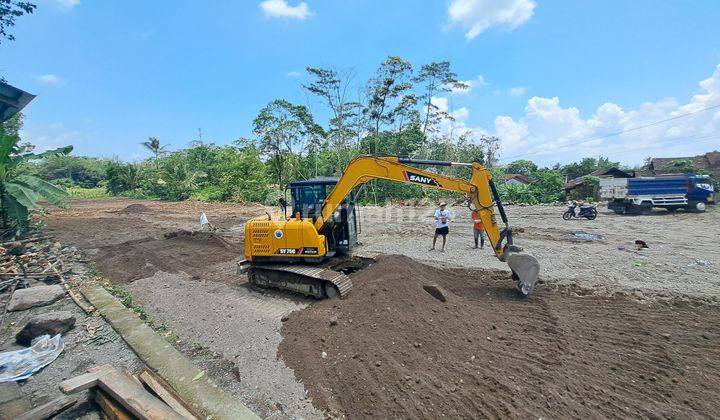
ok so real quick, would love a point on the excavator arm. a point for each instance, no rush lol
(480, 191)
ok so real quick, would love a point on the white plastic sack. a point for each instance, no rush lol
(21, 364)
(204, 222)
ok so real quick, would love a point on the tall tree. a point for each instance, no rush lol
(491, 145)
(385, 90)
(9, 10)
(435, 77)
(333, 89)
(153, 145)
(283, 128)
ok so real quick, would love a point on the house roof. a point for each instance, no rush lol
(600, 173)
(519, 177)
(709, 161)
(12, 101)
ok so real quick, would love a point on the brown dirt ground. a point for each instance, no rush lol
(181, 251)
(398, 352)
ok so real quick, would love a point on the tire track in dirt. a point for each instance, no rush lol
(398, 352)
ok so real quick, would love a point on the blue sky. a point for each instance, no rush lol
(546, 74)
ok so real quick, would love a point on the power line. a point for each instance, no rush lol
(628, 130)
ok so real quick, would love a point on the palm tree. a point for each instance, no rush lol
(153, 145)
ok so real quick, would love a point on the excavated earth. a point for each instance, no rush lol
(611, 332)
(393, 350)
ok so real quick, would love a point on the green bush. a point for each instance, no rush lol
(121, 177)
(85, 172)
(208, 193)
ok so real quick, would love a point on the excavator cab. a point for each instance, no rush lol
(308, 197)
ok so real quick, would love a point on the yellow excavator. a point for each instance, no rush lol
(310, 251)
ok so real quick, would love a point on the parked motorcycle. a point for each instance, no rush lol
(586, 210)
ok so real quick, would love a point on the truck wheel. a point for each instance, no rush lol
(700, 206)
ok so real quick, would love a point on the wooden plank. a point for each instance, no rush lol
(79, 383)
(48, 410)
(111, 409)
(84, 381)
(167, 394)
(134, 398)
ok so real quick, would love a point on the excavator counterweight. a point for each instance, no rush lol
(310, 250)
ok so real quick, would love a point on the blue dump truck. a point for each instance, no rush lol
(639, 195)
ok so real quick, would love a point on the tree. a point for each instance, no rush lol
(121, 177)
(153, 145)
(282, 128)
(522, 166)
(435, 77)
(385, 90)
(586, 166)
(333, 89)
(20, 193)
(680, 165)
(491, 145)
(86, 172)
(9, 10)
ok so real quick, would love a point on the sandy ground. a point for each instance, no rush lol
(192, 287)
(682, 255)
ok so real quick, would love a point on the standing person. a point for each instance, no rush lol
(478, 229)
(442, 220)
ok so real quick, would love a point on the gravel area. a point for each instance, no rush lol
(91, 342)
(682, 257)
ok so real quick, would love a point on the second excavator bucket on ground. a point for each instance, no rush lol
(525, 270)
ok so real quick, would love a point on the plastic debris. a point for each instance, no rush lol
(204, 222)
(588, 236)
(21, 364)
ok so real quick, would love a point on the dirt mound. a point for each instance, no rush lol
(199, 254)
(393, 350)
(136, 209)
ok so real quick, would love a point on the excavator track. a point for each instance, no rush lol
(317, 281)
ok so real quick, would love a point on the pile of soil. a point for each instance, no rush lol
(392, 350)
(136, 209)
(195, 253)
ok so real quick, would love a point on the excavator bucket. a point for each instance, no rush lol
(525, 270)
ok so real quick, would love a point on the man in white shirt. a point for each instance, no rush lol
(442, 220)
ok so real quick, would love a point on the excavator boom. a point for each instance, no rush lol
(318, 233)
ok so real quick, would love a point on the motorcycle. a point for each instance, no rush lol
(586, 210)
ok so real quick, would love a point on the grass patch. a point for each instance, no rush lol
(87, 193)
(127, 299)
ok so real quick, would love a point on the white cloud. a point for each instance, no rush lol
(458, 125)
(67, 4)
(516, 91)
(480, 80)
(49, 79)
(549, 132)
(476, 16)
(293, 74)
(281, 9)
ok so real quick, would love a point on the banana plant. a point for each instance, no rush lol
(20, 193)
